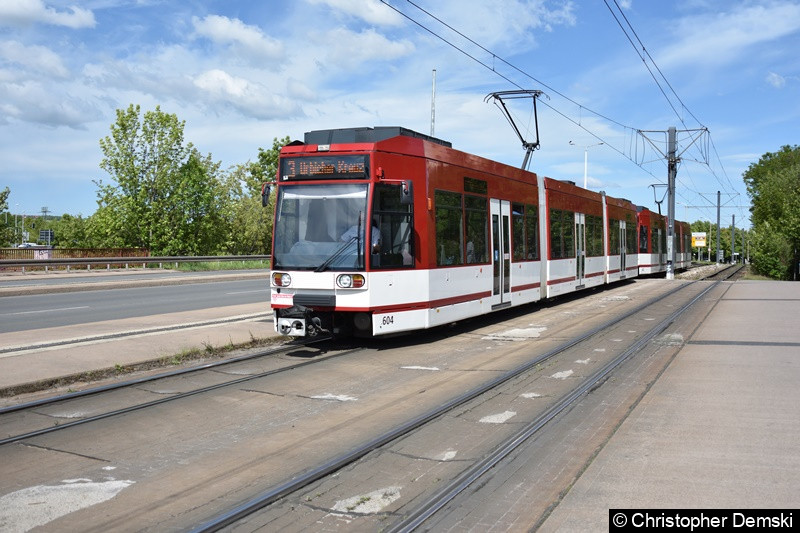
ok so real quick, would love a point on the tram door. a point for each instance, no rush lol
(623, 248)
(580, 248)
(500, 211)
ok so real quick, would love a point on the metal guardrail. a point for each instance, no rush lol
(127, 261)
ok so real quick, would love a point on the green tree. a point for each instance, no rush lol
(774, 188)
(772, 252)
(143, 156)
(165, 195)
(251, 224)
(7, 232)
(70, 232)
(193, 221)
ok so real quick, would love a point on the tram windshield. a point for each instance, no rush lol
(317, 227)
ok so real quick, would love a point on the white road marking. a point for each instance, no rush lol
(431, 368)
(372, 502)
(47, 310)
(583, 361)
(562, 375)
(530, 395)
(28, 508)
(518, 334)
(447, 456)
(498, 418)
(339, 398)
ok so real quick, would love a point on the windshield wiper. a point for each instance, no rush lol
(335, 255)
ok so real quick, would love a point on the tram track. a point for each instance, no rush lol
(64, 400)
(274, 406)
(292, 489)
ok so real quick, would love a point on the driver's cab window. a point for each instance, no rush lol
(394, 223)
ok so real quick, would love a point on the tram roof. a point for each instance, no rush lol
(366, 135)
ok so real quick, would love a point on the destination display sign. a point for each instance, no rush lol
(328, 166)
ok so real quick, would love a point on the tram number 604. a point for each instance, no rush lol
(387, 320)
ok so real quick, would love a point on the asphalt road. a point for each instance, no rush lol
(88, 279)
(22, 313)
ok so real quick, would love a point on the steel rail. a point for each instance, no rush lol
(132, 408)
(445, 495)
(121, 385)
(304, 479)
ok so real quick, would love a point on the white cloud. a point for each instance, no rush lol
(347, 49)
(252, 99)
(34, 57)
(300, 90)
(720, 38)
(248, 40)
(24, 12)
(370, 11)
(776, 80)
(492, 23)
(33, 102)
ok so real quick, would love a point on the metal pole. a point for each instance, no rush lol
(672, 170)
(433, 104)
(733, 239)
(585, 166)
(719, 250)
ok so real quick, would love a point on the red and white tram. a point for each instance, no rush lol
(385, 230)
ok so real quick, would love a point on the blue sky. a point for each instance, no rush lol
(241, 73)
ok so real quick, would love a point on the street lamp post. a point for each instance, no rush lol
(586, 161)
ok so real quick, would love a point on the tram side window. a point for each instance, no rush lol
(594, 235)
(395, 222)
(630, 234)
(643, 239)
(517, 232)
(613, 237)
(532, 232)
(477, 229)
(449, 229)
(562, 234)
(525, 238)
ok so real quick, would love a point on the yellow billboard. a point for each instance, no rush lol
(699, 239)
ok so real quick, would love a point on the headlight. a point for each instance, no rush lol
(280, 279)
(350, 281)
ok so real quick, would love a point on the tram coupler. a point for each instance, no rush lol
(299, 321)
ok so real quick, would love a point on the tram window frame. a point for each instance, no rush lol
(476, 186)
(476, 217)
(630, 234)
(614, 244)
(594, 236)
(525, 232)
(643, 233)
(449, 223)
(663, 238)
(562, 243)
(394, 219)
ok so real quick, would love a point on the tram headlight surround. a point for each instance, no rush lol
(281, 279)
(350, 281)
